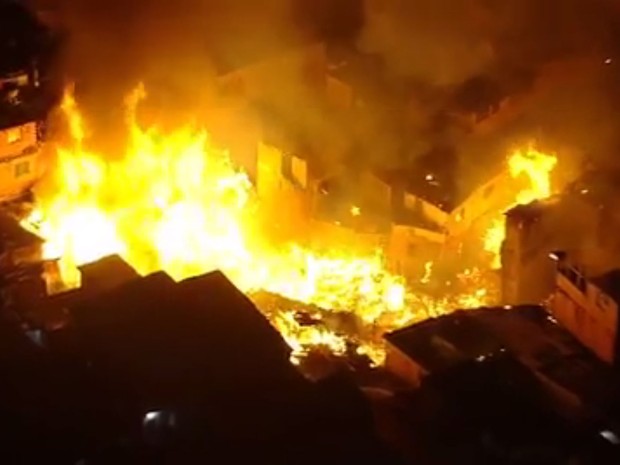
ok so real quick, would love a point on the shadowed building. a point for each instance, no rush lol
(489, 381)
(189, 370)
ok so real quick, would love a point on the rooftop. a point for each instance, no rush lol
(13, 235)
(494, 411)
(442, 342)
(526, 332)
(532, 210)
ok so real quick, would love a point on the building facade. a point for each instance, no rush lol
(19, 160)
(588, 308)
(581, 221)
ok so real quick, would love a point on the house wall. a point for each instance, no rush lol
(333, 236)
(587, 312)
(527, 272)
(285, 202)
(19, 160)
(495, 196)
(580, 227)
(409, 248)
(428, 210)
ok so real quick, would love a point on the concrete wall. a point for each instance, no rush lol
(329, 235)
(496, 195)
(527, 272)
(409, 248)
(285, 202)
(588, 313)
(583, 228)
(19, 160)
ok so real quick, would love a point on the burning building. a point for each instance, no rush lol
(580, 221)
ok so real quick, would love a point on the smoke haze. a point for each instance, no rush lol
(426, 60)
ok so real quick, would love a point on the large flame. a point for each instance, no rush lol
(535, 168)
(175, 202)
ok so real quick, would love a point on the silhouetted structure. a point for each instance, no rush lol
(503, 385)
(166, 372)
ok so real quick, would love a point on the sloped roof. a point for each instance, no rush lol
(169, 342)
(13, 235)
(107, 273)
(439, 343)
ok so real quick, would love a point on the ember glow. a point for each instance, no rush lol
(535, 169)
(176, 202)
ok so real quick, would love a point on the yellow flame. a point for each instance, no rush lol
(535, 168)
(176, 202)
(302, 338)
(428, 271)
(493, 239)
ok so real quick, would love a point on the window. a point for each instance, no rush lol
(22, 168)
(14, 135)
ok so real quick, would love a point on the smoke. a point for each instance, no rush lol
(436, 42)
(545, 61)
(416, 66)
(445, 42)
(175, 48)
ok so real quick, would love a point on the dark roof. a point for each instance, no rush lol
(489, 411)
(527, 332)
(13, 235)
(609, 283)
(107, 273)
(552, 351)
(531, 210)
(171, 342)
(441, 342)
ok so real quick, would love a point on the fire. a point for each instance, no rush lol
(176, 202)
(301, 338)
(428, 271)
(493, 239)
(536, 168)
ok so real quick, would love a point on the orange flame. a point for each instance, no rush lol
(175, 202)
(536, 167)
